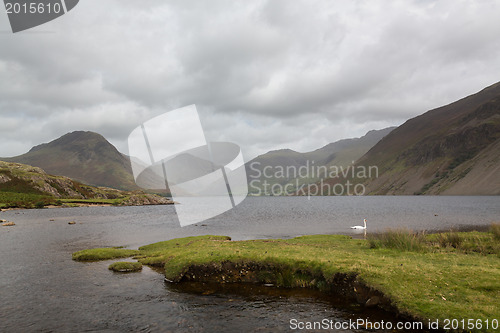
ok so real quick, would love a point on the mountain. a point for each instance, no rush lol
(289, 169)
(454, 149)
(84, 156)
(26, 186)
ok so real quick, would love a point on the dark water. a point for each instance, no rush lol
(43, 290)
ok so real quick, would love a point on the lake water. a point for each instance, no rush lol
(42, 289)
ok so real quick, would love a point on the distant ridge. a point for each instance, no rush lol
(340, 153)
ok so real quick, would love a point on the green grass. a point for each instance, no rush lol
(495, 230)
(92, 201)
(403, 240)
(29, 200)
(450, 239)
(24, 200)
(125, 267)
(430, 280)
(465, 242)
(103, 254)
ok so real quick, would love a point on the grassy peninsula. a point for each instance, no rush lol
(453, 275)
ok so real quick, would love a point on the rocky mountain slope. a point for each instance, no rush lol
(84, 156)
(24, 186)
(454, 149)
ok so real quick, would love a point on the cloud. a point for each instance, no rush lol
(268, 74)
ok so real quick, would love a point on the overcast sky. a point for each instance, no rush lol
(264, 74)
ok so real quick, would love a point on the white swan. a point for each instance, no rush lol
(360, 227)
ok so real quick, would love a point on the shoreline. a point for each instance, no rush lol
(62, 206)
(347, 285)
(83, 204)
(428, 284)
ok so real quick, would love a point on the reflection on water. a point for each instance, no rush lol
(273, 308)
(42, 289)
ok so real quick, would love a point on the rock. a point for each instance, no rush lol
(4, 178)
(372, 301)
(72, 222)
(8, 224)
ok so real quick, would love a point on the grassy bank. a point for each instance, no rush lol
(24, 200)
(437, 279)
(76, 202)
(29, 200)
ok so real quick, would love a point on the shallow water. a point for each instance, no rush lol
(42, 289)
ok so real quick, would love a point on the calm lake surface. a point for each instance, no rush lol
(43, 290)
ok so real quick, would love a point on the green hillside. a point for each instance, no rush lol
(24, 186)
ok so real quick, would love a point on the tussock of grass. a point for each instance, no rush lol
(103, 254)
(495, 230)
(450, 239)
(434, 283)
(402, 239)
(125, 266)
(465, 242)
